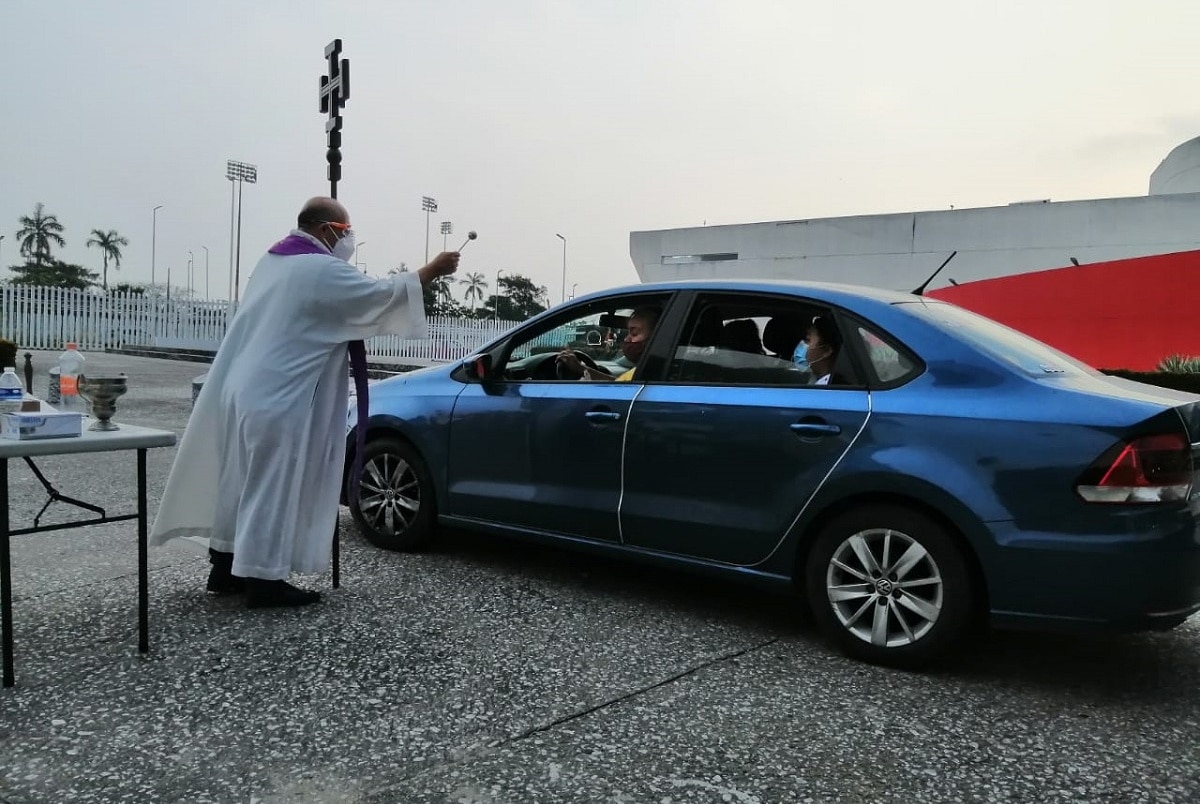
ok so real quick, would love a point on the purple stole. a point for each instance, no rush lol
(291, 246)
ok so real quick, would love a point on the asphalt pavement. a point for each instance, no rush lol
(491, 671)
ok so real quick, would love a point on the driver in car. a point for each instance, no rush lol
(638, 330)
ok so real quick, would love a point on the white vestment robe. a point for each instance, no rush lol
(259, 465)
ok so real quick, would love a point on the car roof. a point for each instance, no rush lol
(826, 291)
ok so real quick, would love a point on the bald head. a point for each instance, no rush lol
(319, 210)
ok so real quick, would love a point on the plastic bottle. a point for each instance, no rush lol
(11, 391)
(70, 367)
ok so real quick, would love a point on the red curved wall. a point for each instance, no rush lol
(1122, 314)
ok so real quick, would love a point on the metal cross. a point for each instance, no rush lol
(334, 90)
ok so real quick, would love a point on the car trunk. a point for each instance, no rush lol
(1183, 406)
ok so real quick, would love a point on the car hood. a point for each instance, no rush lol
(417, 377)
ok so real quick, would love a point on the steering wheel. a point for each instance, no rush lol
(564, 373)
(544, 367)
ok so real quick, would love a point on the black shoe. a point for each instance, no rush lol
(221, 580)
(262, 594)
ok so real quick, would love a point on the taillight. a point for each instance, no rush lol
(1150, 469)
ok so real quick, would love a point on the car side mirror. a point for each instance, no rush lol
(481, 367)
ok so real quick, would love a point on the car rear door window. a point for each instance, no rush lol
(752, 340)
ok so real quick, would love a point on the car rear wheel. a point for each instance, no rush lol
(889, 585)
(396, 509)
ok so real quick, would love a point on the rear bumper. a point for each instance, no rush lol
(1145, 576)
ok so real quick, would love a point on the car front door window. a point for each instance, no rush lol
(594, 335)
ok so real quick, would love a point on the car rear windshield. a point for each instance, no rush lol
(1007, 344)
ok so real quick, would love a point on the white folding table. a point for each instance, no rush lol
(128, 437)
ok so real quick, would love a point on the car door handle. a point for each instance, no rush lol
(602, 416)
(815, 429)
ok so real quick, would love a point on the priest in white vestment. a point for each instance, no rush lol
(259, 467)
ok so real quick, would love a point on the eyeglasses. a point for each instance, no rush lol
(339, 226)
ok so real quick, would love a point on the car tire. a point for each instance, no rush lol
(397, 509)
(907, 611)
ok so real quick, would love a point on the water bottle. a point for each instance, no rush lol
(11, 391)
(70, 367)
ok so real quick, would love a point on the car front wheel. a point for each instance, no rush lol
(889, 585)
(395, 509)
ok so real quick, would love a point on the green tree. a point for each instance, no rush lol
(518, 299)
(55, 274)
(38, 233)
(109, 243)
(439, 299)
(443, 289)
(476, 285)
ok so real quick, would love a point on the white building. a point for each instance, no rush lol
(900, 250)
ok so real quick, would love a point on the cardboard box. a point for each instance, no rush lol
(43, 424)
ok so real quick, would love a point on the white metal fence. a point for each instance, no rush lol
(449, 339)
(47, 318)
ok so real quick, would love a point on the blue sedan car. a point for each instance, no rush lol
(907, 468)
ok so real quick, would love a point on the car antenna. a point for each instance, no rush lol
(921, 290)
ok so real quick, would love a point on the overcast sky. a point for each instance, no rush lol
(591, 119)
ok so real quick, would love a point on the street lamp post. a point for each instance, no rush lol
(207, 292)
(240, 172)
(573, 289)
(447, 229)
(564, 281)
(428, 205)
(500, 271)
(153, 241)
(356, 248)
(191, 262)
(1, 252)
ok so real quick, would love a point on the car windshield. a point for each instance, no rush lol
(1007, 344)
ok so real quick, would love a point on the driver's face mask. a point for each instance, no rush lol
(633, 350)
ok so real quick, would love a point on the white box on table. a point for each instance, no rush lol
(40, 424)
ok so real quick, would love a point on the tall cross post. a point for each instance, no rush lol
(334, 90)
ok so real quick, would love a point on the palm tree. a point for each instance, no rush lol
(37, 233)
(109, 243)
(442, 289)
(476, 285)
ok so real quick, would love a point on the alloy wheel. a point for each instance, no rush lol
(390, 496)
(884, 587)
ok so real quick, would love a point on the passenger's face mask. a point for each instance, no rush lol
(800, 356)
(803, 356)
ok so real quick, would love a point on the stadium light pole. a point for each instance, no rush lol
(428, 205)
(357, 246)
(498, 293)
(153, 241)
(564, 280)
(239, 172)
(207, 294)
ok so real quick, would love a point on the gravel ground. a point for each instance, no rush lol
(489, 671)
